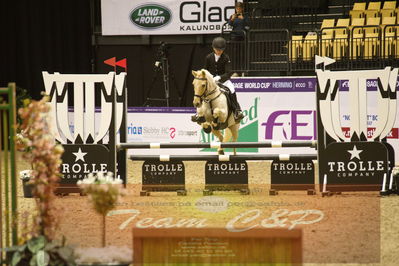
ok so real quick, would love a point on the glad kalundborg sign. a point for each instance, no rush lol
(125, 17)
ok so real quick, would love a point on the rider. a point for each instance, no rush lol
(219, 65)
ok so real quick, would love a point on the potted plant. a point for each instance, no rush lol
(103, 192)
(26, 176)
(39, 246)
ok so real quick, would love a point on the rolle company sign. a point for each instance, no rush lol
(163, 176)
(85, 147)
(358, 159)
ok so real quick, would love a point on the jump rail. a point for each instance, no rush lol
(179, 145)
(223, 158)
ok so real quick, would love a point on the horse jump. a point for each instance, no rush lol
(223, 158)
(180, 145)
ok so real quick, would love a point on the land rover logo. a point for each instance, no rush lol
(150, 16)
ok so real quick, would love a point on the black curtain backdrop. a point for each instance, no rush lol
(55, 36)
(143, 78)
(43, 35)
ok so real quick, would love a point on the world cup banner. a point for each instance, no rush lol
(125, 17)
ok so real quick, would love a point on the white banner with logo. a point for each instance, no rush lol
(140, 17)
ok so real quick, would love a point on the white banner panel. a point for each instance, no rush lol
(140, 17)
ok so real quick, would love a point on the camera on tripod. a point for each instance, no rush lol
(162, 53)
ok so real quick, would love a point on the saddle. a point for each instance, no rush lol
(226, 91)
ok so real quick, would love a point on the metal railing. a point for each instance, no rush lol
(359, 47)
(8, 185)
(237, 48)
(268, 50)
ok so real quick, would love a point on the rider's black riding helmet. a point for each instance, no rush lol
(219, 43)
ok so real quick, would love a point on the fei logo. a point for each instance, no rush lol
(290, 125)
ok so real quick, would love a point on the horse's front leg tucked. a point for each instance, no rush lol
(206, 127)
(219, 117)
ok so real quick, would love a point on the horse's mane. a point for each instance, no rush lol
(209, 77)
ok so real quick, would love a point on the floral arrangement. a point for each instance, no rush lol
(103, 192)
(38, 246)
(45, 157)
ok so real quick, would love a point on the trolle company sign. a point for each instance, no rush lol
(125, 17)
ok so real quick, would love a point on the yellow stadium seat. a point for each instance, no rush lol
(389, 37)
(327, 37)
(359, 6)
(389, 9)
(371, 13)
(387, 13)
(309, 46)
(356, 37)
(371, 40)
(296, 47)
(373, 9)
(358, 10)
(340, 42)
(389, 5)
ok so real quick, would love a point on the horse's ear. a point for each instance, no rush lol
(203, 73)
(194, 73)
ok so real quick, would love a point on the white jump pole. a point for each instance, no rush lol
(325, 183)
(390, 182)
(383, 183)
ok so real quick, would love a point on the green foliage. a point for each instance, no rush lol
(38, 251)
(23, 99)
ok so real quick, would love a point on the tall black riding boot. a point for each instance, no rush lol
(238, 115)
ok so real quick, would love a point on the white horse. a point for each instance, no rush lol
(211, 103)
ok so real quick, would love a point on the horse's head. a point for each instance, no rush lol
(203, 81)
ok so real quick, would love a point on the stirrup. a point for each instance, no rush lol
(238, 116)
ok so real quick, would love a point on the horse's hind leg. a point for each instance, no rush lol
(219, 135)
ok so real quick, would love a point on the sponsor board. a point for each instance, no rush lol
(231, 175)
(272, 112)
(355, 163)
(124, 17)
(81, 160)
(292, 175)
(163, 176)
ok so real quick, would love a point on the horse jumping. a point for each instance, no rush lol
(212, 108)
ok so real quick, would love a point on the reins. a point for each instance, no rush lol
(203, 95)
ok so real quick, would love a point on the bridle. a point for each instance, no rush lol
(204, 94)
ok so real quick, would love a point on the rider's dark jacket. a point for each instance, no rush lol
(220, 68)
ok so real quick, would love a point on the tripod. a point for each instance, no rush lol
(162, 65)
